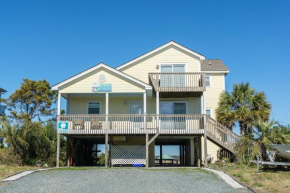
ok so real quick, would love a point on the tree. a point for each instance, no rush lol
(34, 99)
(14, 137)
(243, 106)
(265, 133)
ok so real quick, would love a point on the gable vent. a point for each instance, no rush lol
(102, 78)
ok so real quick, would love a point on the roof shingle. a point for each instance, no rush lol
(213, 65)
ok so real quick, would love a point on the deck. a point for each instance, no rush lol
(133, 124)
(128, 124)
(179, 84)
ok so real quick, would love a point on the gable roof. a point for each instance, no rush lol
(171, 43)
(214, 65)
(100, 65)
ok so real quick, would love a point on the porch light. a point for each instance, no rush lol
(157, 66)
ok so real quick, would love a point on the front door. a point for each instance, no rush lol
(136, 108)
(174, 108)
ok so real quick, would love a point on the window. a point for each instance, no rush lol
(136, 107)
(208, 112)
(94, 108)
(207, 80)
(173, 108)
(172, 80)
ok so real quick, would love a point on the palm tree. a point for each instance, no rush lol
(265, 133)
(243, 106)
(14, 137)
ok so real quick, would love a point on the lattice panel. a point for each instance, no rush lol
(128, 154)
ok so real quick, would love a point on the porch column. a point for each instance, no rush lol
(106, 149)
(107, 127)
(58, 135)
(67, 150)
(145, 109)
(147, 150)
(157, 110)
(205, 134)
(107, 109)
(157, 102)
(191, 151)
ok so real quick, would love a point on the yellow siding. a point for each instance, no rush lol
(214, 91)
(121, 105)
(119, 84)
(212, 149)
(171, 55)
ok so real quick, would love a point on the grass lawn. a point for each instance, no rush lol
(270, 180)
(6, 171)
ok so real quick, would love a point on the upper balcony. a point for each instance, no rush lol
(178, 84)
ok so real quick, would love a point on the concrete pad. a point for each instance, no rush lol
(22, 174)
(229, 180)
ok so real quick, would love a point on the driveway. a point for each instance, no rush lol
(119, 180)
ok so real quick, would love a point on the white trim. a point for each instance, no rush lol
(58, 103)
(100, 104)
(157, 102)
(107, 103)
(209, 80)
(224, 82)
(186, 104)
(204, 102)
(101, 65)
(144, 103)
(216, 72)
(171, 43)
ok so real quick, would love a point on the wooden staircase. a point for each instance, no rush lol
(221, 135)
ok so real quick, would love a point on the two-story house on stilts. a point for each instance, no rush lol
(157, 109)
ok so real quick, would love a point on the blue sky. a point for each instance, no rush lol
(54, 40)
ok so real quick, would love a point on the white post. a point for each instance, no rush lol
(191, 152)
(107, 127)
(58, 135)
(157, 110)
(205, 133)
(157, 103)
(107, 110)
(145, 108)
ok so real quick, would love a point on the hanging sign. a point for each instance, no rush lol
(62, 127)
(102, 87)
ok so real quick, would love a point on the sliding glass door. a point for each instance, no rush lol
(172, 80)
(175, 122)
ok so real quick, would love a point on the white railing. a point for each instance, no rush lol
(220, 134)
(152, 124)
(133, 124)
(178, 81)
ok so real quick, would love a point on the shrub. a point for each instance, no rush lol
(8, 158)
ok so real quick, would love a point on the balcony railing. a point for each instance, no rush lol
(133, 124)
(178, 81)
(152, 124)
